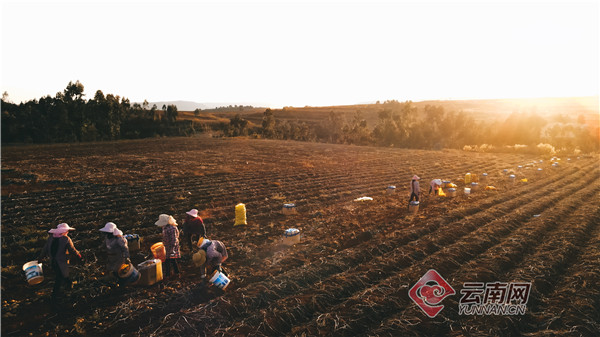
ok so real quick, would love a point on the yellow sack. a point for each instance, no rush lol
(467, 178)
(490, 188)
(524, 180)
(240, 215)
(451, 185)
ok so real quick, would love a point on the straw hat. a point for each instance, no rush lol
(193, 212)
(117, 232)
(416, 177)
(165, 219)
(109, 227)
(61, 228)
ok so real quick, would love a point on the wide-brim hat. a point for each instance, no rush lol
(165, 219)
(416, 177)
(193, 212)
(109, 227)
(117, 232)
(61, 228)
(437, 181)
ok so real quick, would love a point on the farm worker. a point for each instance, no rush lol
(171, 241)
(193, 228)
(216, 254)
(415, 189)
(57, 247)
(116, 248)
(435, 186)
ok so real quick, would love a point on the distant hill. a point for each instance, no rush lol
(191, 106)
(484, 109)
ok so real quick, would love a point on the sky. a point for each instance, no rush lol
(299, 53)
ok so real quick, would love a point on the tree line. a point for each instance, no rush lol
(402, 124)
(68, 117)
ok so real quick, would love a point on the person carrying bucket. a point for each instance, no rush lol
(215, 253)
(57, 247)
(415, 189)
(435, 185)
(116, 248)
(193, 228)
(171, 241)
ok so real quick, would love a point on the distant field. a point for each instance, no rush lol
(481, 110)
(351, 273)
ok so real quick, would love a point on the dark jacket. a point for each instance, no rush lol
(194, 226)
(59, 258)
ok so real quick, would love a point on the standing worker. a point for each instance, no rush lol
(435, 186)
(415, 189)
(57, 247)
(193, 228)
(171, 241)
(116, 247)
(216, 254)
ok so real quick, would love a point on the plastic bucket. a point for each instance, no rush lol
(512, 178)
(158, 251)
(467, 191)
(467, 178)
(291, 236)
(413, 207)
(483, 178)
(128, 274)
(451, 192)
(445, 183)
(391, 189)
(219, 280)
(150, 272)
(474, 186)
(33, 272)
(289, 209)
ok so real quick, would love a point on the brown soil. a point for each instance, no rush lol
(351, 272)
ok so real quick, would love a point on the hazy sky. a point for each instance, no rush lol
(301, 52)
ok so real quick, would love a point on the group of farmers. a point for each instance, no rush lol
(212, 252)
(415, 190)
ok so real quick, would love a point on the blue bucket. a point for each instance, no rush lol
(219, 280)
(133, 242)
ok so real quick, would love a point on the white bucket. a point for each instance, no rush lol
(291, 236)
(413, 207)
(451, 192)
(219, 280)
(289, 209)
(33, 272)
(467, 191)
(391, 189)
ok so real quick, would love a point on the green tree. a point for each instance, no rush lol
(268, 124)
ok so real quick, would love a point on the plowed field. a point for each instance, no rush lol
(351, 273)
